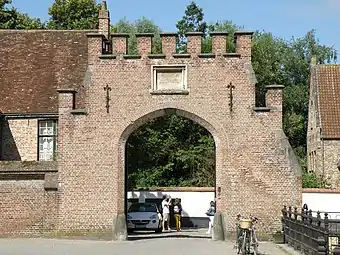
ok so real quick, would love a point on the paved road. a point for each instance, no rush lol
(188, 243)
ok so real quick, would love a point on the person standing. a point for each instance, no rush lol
(166, 212)
(178, 214)
(211, 213)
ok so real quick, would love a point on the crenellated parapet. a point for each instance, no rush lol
(101, 46)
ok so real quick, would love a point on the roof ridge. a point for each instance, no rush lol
(328, 65)
(45, 30)
(318, 99)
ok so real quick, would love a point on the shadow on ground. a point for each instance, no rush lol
(190, 234)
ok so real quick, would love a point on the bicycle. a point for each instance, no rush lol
(246, 236)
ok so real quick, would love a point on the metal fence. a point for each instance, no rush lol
(311, 232)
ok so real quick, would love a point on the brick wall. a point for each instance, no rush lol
(314, 144)
(29, 200)
(255, 166)
(331, 159)
(19, 139)
(323, 154)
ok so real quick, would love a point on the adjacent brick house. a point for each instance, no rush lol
(79, 95)
(323, 135)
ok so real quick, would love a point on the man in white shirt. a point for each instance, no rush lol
(166, 212)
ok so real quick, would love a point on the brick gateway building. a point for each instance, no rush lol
(98, 94)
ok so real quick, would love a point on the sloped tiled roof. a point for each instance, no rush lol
(328, 85)
(34, 63)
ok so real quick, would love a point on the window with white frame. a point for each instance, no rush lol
(47, 140)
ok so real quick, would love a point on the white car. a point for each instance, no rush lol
(144, 216)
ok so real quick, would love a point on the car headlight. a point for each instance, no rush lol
(129, 217)
(153, 216)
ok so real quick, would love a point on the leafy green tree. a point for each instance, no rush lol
(142, 25)
(192, 21)
(73, 14)
(287, 62)
(11, 18)
(170, 151)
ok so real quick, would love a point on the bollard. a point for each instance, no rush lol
(120, 230)
(321, 246)
(217, 230)
(336, 250)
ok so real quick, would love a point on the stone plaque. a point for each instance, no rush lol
(169, 78)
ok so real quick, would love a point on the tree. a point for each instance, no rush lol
(11, 18)
(73, 14)
(142, 25)
(165, 152)
(276, 61)
(192, 21)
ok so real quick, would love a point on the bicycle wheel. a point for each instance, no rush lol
(256, 251)
(255, 245)
(244, 244)
(239, 240)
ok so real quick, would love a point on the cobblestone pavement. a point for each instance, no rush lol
(186, 242)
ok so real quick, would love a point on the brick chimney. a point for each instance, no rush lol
(66, 100)
(104, 20)
(274, 97)
(274, 101)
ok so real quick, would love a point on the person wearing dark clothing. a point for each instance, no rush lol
(178, 214)
(211, 213)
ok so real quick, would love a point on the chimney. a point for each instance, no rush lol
(104, 20)
(66, 100)
(120, 43)
(94, 46)
(144, 43)
(313, 61)
(274, 97)
(169, 42)
(219, 42)
(194, 45)
(274, 100)
(244, 43)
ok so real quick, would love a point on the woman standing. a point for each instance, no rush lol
(178, 214)
(211, 213)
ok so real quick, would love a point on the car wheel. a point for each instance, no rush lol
(158, 230)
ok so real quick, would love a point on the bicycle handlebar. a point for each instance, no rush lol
(253, 218)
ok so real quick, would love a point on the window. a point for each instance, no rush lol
(47, 140)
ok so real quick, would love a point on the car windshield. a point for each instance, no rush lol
(142, 207)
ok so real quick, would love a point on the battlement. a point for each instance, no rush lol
(106, 45)
(116, 45)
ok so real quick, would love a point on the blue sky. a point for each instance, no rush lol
(284, 18)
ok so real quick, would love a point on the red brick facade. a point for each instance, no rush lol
(255, 169)
(323, 133)
(29, 198)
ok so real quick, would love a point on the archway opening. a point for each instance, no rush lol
(172, 154)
